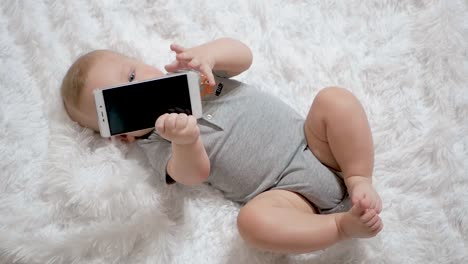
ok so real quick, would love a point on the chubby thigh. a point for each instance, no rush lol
(284, 222)
(269, 220)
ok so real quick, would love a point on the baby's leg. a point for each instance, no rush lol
(283, 221)
(338, 134)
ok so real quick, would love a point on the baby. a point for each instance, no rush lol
(304, 184)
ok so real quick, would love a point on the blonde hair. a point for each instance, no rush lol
(75, 79)
(74, 83)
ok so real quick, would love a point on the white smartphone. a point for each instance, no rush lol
(137, 105)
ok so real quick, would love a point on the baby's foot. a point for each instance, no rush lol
(362, 193)
(359, 223)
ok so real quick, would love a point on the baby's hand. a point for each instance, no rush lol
(180, 129)
(197, 58)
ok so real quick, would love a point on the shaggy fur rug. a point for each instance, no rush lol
(69, 196)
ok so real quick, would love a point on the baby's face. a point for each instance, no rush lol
(112, 69)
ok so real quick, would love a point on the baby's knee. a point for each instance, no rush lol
(335, 99)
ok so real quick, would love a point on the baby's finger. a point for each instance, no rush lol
(364, 202)
(379, 206)
(208, 72)
(191, 122)
(192, 128)
(181, 121)
(173, 67)
(184, 56)
(170, 122)
(177, 48)
(159, 125)
(194, 64)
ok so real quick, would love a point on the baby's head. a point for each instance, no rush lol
(100, 69)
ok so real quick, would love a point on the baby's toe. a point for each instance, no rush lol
(377, 225)
(372, 221)
(378, 229)
(367, 216)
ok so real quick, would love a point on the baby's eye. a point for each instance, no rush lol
(131, 77)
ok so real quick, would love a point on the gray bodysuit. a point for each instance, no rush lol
(256, 142)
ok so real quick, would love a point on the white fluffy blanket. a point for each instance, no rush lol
(68, 196)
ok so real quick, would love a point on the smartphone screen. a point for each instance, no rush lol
(137, 106)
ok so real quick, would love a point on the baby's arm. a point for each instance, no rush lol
(231, 56)
(189, 163)
(228, 57)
